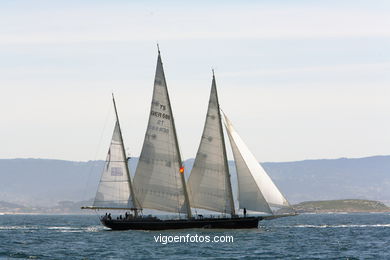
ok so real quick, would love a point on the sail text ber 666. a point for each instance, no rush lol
(157, 181)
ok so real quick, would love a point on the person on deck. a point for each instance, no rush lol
(244, 212)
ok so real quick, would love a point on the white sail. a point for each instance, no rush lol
(114, 190)
(256, 189)
(209, 182)
(157, 180)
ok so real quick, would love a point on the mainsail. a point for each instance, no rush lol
(115, 190)
(158, 183)
(209, 182)
(257, 191)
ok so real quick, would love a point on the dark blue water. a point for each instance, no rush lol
(325, 236)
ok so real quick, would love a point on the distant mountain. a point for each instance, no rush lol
(43, 182)
(8, 205)
(361, 178)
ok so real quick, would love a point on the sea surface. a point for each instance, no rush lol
(307, 236)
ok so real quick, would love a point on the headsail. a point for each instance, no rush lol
(209, 182)
(256, 189)
(158, 182)
(114, 190)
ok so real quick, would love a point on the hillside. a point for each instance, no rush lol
(332, 179)
(43, 183)
(348, 205)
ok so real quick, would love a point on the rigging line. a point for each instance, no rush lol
(96, 213)
(130, 172)
(94, 162)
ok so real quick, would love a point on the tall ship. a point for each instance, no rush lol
(159, 182)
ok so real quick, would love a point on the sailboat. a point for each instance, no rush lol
(159, 182)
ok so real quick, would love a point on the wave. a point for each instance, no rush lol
(337, 226)
(55, 228)
(76, 229)
(19, 227)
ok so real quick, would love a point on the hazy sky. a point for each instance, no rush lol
(298, 79)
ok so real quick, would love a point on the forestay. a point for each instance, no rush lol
(256, 189)
(209, 182)
(157, 181)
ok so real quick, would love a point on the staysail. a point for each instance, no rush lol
(209, 182)
(158, 182)
(257, 191)
(115, 190)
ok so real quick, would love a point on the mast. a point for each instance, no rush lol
(134, 200)
(229, 183)
(182, 178)
(158, 182)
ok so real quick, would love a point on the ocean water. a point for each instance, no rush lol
(307, 236)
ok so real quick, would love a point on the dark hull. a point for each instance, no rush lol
(158, 224)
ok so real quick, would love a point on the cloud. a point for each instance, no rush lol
(128, 23)
(378, 67)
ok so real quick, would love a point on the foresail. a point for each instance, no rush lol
(113, 190)
(157, 179)
(256, 189)
(209, 183)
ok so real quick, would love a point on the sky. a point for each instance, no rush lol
(298, 79)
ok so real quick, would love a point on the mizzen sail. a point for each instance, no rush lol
(256, 189)
(114, 190)
(209, 182)
(158, 182)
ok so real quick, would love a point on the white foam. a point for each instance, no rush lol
(18, 227)
(61, 228)
(94, 228)
(339, 226)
